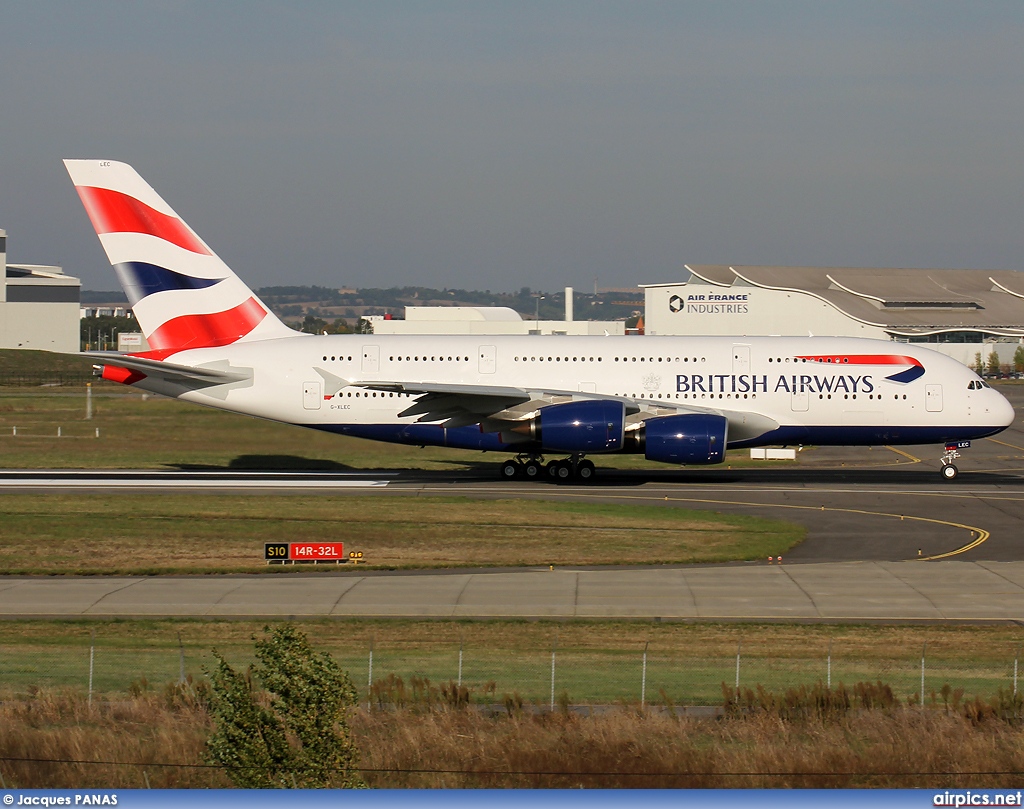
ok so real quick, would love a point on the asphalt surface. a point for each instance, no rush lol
(875, 517)
(839, 591)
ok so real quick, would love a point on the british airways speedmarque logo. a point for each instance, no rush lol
(914, 369)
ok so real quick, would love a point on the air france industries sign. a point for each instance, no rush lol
(711, 303)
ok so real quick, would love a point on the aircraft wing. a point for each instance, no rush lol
(494, 407)
(491, 406)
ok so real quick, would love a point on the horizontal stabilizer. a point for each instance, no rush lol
(216, 373)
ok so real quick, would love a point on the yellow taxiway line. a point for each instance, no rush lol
(982, 534)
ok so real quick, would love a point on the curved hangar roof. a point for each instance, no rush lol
(909, 302)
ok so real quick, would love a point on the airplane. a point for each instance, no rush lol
(676, 400)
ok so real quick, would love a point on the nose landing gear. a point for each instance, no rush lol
(948, 469)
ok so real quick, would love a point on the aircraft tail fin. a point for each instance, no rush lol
(182, 294)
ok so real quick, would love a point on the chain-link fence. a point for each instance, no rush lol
(555, 671)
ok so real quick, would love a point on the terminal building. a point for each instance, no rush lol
(959, 312)
(39, 306)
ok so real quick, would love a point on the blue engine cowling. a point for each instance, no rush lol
(688, 439)
(591, 426)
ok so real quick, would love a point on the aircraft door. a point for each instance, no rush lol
(933, 398)
(488, 359)
(311, 396)
(801, 401)
(371, 359)
(741, 359)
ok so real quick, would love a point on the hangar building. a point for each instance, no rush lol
(957, 312)
(38, 306)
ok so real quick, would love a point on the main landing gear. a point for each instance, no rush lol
(575, 468)
(948, 469)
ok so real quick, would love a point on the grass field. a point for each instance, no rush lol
(178, 533)
(596, 662)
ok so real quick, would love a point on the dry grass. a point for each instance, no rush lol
(629, 749)
(159, 739)
(106, 744)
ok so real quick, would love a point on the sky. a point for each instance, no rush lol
(496, 145)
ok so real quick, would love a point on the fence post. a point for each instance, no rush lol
(554, 649)
(369, 678)
(739, 646)
(462, 642)
(643, 678)
(92, 658)
(1015, 660)
(181, 662)
(924, 650)
(829, 682)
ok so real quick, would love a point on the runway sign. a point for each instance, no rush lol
(316, 551)
(304, 551)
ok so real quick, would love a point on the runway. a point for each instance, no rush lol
(830, 592)
(887, 540)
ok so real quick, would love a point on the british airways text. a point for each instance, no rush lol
(753, 383)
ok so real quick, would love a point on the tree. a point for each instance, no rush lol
(1018, 359)
(993, 363)
(313, 325)
(294, 733)
(979, 366)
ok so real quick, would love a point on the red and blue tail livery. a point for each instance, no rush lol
(551, 402)
(182, 294)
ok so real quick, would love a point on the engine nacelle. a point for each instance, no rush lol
(687, 439)
(591, 426)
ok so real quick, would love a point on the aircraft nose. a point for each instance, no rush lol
(1003, 410)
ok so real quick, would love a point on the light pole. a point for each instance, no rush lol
(536, 313)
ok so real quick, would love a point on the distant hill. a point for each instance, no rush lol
(294, 303)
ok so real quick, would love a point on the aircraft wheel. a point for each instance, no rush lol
(532, 470)
(510, 470)
(585, 471)
(551, 469)
(563, 472)
(949, 472)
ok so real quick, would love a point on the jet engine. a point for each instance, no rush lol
(595, 425)
(693, 438)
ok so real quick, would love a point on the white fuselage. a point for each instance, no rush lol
(816, 390)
